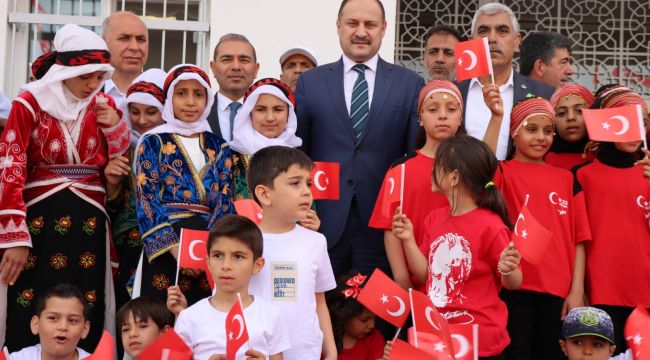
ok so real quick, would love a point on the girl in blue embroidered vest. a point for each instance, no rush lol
(60, 135)
(142, 111)
(183, 180)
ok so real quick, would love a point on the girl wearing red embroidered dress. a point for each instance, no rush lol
(53, 227)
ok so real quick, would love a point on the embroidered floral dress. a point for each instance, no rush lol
(52, 200)
(171, 194)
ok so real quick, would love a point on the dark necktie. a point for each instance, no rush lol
(359, 105)
(234, 106)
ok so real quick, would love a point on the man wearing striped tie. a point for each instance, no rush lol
(362, 113)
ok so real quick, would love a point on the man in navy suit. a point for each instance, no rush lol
(362, 113)
(499, 24)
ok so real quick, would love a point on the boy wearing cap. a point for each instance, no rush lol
(588, 333)
(294, 62)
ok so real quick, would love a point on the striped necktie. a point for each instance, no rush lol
(359, 106)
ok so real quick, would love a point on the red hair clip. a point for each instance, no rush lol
(355, 286)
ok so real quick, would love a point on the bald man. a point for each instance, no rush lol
(127, 38)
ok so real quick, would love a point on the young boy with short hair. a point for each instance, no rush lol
(234, 255)
(588, 333)
(140, 322)
(60, 322)
(298, 270)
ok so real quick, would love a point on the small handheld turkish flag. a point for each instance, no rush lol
(385, 298)
(465, 339)
(250, 209)
(236, 332)
(403, 351)
(426, 319)
(621, 124)
(530, 237)
(637, 333)
(473, 59)
(193, 251)
(169, 346)
(325, 180)
(105, 349)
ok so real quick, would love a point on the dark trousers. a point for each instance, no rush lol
(534, 325)
(498, 357)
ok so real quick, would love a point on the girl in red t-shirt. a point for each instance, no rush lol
(353, 325)
(555, 284)
(466, 255)
(570, 140)
(440, 107)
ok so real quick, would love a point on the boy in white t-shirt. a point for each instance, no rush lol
(60, 322)
(298, 269)
(234, 255)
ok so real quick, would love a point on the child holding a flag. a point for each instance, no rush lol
(234, 255)
(466, 257)
(615, 189)
(140, 322)
(553, 254)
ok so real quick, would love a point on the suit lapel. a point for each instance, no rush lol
(383, 80)
(213, 117)
(335, 83)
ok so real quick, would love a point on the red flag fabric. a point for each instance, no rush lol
(403, 351)
(637, 333)
(465, 341)
(392, 191)
(325, 180)
(236, 332)
(4, 355)
(426, 319)
(432, 344)
(473, 59)
(621, 124)
(530, 237)
(105, 349)
(194, 250)
(250, 209)
(169, 346)
(385, 298)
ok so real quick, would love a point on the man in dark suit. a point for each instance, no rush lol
(362, 113)
(499, 24)
(235, 66)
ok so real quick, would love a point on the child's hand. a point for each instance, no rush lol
(116, 170)
(311, 222)
(106, 114)
(509, 259)
(13, 261)
(492, 98)
(387, 349)
(572, 301)
(176, 301)
(402, 226)
(646, 164)
(252, 354)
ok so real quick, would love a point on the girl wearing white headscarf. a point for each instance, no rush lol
(60, 135)
(183, 180)
(142, 111)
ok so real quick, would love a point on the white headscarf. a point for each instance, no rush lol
(152, 76)
(51, 94)
(174, 125)
(247, 140)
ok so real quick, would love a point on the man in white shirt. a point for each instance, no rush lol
(234, 66)
(498, 23)
(127, 38)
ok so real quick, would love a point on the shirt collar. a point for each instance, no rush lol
(509, 83)
(109, 85)
(370, 63)
(223, 102)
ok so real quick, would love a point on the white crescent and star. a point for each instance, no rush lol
(473, 59)
(427, 314)
(400, 310)
(640, 200)
(240, 320)
(391, 182)
(191, 250)
(463, 345)
(624, 122)
(524, 234)
(317, 180)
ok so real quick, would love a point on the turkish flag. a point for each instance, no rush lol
(403, 351)
(530, 237)
(169, 346)
(393, 191)
(385, 298)
(465, 341)
(637, 333)
(426, 319)
(236, 332)
(193, 251)
(621, 124)
(325, 180)
(105, 349)
(250, 209)
(473, 59)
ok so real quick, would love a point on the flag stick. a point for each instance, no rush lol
(401, 189)
(397, 334)
(526, 199)
(415, 329)
(250, 346)
(178, 261)
(639, 111)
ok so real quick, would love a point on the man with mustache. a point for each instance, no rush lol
(498, 23)
(439, 53)
(294, 62)
(127, 38)
(546, 57)
(361, 112)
